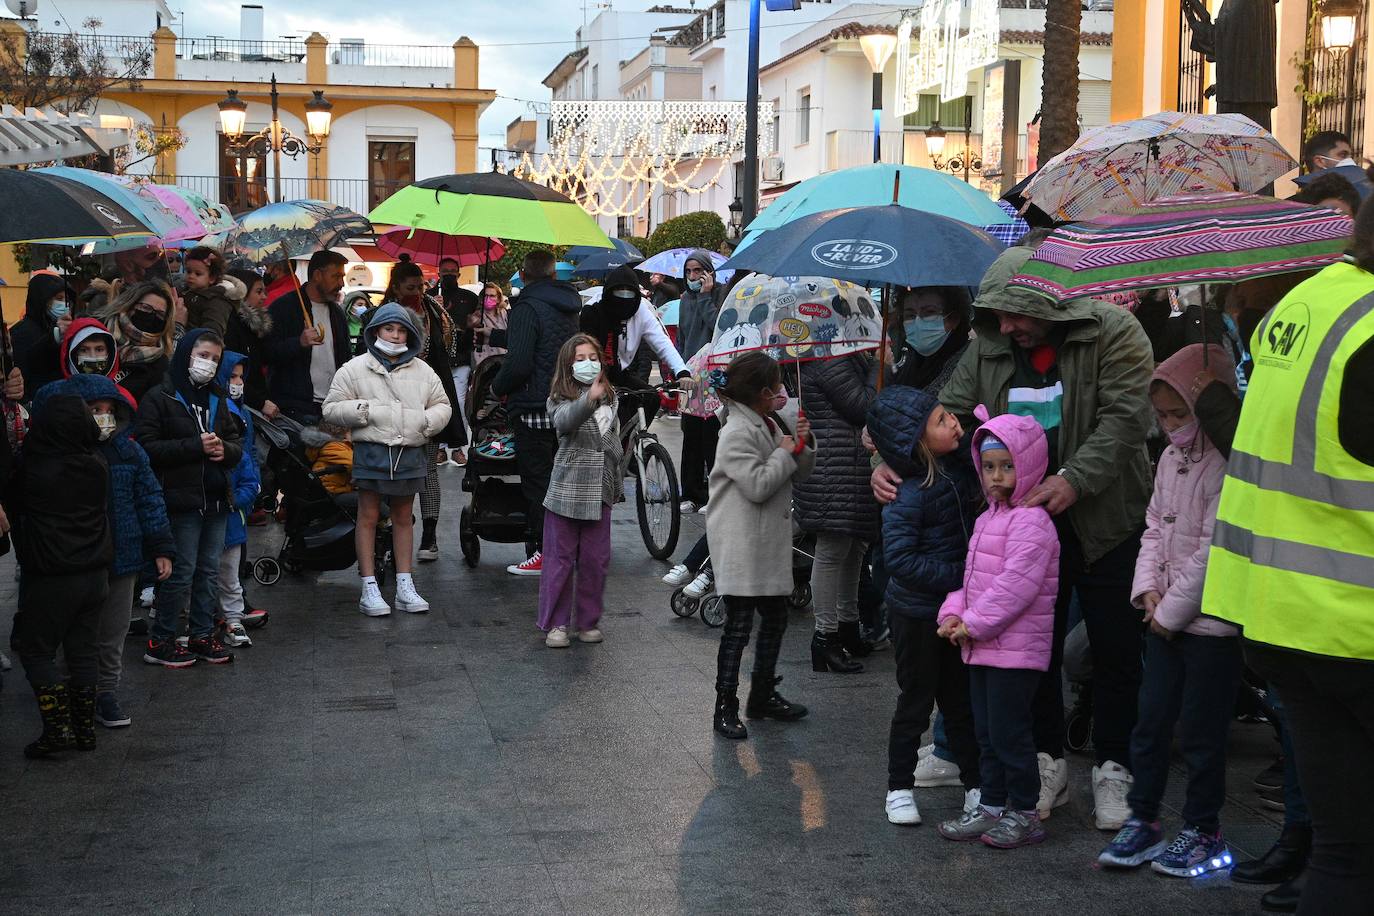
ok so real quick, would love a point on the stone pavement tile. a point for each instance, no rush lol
(588, 767)
(371, 893)
(483, 890)
(256, 848)
(365, 845)
(482, 851)
(252, 894)
(649, 877)
(455, 819)
(165, 899)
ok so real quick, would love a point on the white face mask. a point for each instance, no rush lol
(202, 371)
(391, 349)
(107, 424)
(586, 370)
(236, 390)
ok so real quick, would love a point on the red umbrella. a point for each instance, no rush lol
(425, 246)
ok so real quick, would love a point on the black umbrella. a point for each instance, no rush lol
(36, 207)
(597, 266)
(1032, 214)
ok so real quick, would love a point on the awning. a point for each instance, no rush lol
(44, 136)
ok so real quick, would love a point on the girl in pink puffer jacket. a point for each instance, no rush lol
(1192, 663)
(1003, 617)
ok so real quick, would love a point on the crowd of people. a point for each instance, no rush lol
(1177, 486)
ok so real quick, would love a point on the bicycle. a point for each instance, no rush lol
(657, 494)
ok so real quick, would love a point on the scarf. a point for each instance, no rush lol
(136, 346)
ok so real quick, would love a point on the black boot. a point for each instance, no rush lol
(853, 641)
(1286, 897)
(827, 654)
(429, 541)
(83, 717)
(1271, 777)
(766, 703)
(1284, 861)
(57, 722)
(726, 718)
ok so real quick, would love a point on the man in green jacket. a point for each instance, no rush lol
(1082, 369)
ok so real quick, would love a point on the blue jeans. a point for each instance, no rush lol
(195, 574)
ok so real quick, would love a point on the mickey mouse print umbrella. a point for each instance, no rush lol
(795, 319)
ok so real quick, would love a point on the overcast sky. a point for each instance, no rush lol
(521, 40)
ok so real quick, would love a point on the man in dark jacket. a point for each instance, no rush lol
(307, 344)
(696, 321)
(194, 443)
(541, 321)
(36, 338)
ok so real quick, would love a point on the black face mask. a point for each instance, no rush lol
(621, 308)
(148, 322)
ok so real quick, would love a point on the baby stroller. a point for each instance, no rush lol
(713, 610)
(319, 525)
(497, 509)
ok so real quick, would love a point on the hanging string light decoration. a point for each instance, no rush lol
(613, 156)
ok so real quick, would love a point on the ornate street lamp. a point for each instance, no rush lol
(1340, 20)
(736, 218)
(274, 138)
(878, 47)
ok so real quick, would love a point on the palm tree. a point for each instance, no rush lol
(1059, 97)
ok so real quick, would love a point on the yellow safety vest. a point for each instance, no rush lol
(1292, 558)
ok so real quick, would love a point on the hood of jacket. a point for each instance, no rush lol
(621, 307)
(80, 330)
(387, 313)
(1179, 370)
(179, 371)
(896, 422)
(99, 388)
(62, 425)
(702, 257)
(42, 287)
(558, 294)
(227, 362)
(1023, 437)
(995, 292)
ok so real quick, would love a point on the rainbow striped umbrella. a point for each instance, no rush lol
(1193, 238)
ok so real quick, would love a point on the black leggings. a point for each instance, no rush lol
(739, 620)
(59, 612)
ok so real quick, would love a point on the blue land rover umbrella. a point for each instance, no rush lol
(873, 245)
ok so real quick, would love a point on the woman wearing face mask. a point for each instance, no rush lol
(249, 325)
(407, 287)
(142, 320)
(489, 325)
(933, 335)
(36, 337)
(194, 442)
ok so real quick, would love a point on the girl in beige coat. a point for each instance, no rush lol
(394, 403)
(749, 528)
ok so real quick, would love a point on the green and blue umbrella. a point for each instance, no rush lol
(47, 208)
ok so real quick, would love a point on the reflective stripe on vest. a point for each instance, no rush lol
(1292, 556)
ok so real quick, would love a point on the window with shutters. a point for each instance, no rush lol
(1094, 103)
(951, 115)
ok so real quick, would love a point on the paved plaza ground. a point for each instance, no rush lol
(450, 763)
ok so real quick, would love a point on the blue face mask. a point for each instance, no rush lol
(926, 335)
(59, 310)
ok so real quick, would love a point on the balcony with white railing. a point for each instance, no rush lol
(241, 194)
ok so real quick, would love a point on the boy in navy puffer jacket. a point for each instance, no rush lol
(138, 524)
(925, 541)
(244, 483)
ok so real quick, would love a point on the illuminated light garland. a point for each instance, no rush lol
(611, 156)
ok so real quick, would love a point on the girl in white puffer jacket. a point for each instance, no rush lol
(394, 403)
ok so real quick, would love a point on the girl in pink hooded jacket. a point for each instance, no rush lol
(1192, 663)
(1003, 617)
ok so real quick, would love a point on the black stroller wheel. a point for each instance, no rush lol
(266, 571)
(682, 605)
(712, 611)
(800, 597)
(468, 541)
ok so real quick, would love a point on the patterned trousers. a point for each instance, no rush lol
(429, 496)
(739, 620)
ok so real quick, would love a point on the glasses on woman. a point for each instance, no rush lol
(157, 307)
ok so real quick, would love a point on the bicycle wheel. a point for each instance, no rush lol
(657, 499)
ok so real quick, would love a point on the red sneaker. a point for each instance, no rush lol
(254, 617)
(534, 566)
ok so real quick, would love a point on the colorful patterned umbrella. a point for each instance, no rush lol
(702, 401)
(158, 216)
(795, 319)
(213, 216)
(49, 208)
(491, 204)
(427, 247)
(1120, 166)
(1193, 238)
(293, 229)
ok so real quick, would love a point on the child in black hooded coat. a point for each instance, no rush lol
(56, 499)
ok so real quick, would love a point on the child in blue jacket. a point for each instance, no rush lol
(245, 483)
(138, 525)
(925, 542)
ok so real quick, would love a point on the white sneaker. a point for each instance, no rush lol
(925, 751)
(699, 586)
(592, 635)
(701, 510)
(1111, 783)
(408, 599)
(932, 772)
(557, 638)
(687, 507)
(5, 663)
(1054, 784)
(147, 597)
(972, 799)
(235, 635)
(372, 603)
(678, 575)
(901, 808)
